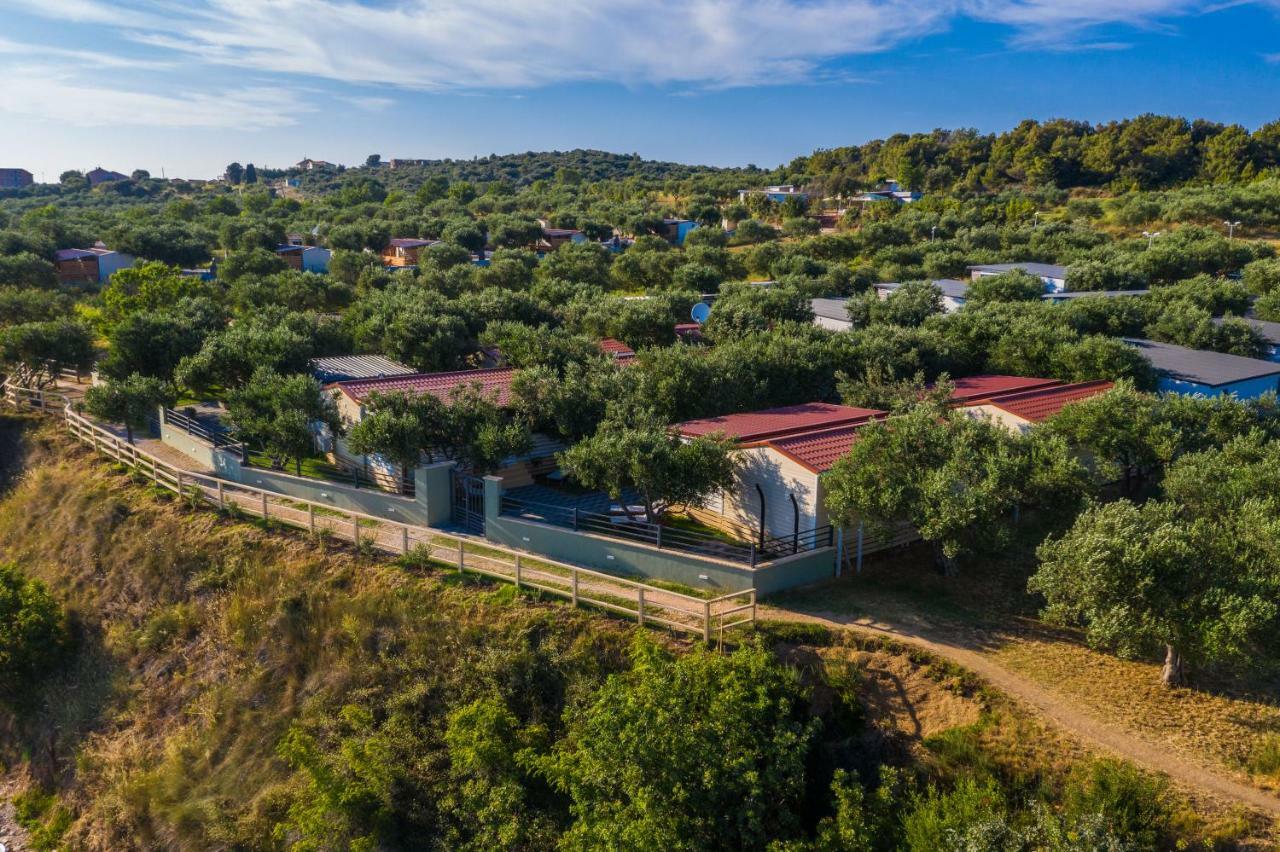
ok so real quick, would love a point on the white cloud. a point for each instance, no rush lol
(46, 92)
(465, 45)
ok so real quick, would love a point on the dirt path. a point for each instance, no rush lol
(1060, 710)
(13, 837)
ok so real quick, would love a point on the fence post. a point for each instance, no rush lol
(574, 583)
(706, 621)
(311, 517)
(462, 565)
(640, 605)
(404, 539)
(179, 483)
(355, 531)
(155, 473)
(221, 499)
(753, 606)
(518, 566)
(264, 505)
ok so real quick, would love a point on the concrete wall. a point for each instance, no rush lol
(640, 561)
(429, 507)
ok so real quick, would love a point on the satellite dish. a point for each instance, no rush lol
(700, 312)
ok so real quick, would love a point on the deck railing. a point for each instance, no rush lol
(664, 537)
(705, 617)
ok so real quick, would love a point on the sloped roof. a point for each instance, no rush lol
(975, 388)
(1212, 369)
(345, 368)
(616, 348)
(493, 383)
(1043, 270)
(1270, 331)
(410, 242)
(1036, 406)
(80, 254)
(834, 309)
(952, 288)
(776, 422)
(818, 450)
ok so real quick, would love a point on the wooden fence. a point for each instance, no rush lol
(705, 617)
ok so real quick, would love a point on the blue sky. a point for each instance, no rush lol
(189, 85)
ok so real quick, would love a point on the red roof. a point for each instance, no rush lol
(974, 388)
(1039, 405)
(616, 348)
(776, 422)
(494, 383)
(818, 450)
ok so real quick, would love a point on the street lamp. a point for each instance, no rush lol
(933, 232)
(1231, 228)
(1036, 222)
(1151, 235)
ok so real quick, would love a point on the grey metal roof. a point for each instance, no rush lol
(1200, 367)
(835, 309)
(343, 368)
(1270, 331)
(1044, 270)
(950, 287)
(1082, 294)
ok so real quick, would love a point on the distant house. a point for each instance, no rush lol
(616, 349)
(1053, 276)
(15, 178)
(308, 165)
(777, 193)
(296, 239)
(305, 258)
(954, 292)
(1021, 411)
(971, 390)
(888, 191)
(89, 266)
(1194, 371)
(689, 332)
(832, 314)
(1270, 333)
(101, 175)
(674, 231)
(553, 238)
(404, 251)
(346, 368)
(400, 163)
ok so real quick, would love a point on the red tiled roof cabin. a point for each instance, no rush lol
(784, 452)
(350, 397)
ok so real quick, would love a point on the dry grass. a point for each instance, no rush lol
(1215, 727)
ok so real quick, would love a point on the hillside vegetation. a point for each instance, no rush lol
(230, 686)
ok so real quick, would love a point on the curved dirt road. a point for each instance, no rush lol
(1061, 711)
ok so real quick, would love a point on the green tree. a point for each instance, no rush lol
(129, 401)
(657, 464)
(36, 352)
(33, 632)
(1012, 286)
(1138, 578)
(1122, 431)
(26, 270)
(957, 480)
(234, 173)
(398, 426)
(148, 287)
(702, 751)
(276, 413)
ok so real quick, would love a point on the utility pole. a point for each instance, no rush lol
(1231, 228)
(1151, 236)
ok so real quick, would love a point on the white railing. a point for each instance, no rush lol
(647, 604)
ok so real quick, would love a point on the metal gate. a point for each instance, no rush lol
(468, 503)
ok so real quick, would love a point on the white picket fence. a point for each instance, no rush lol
(707, 617)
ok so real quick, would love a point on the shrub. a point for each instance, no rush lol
(1264, 758)
(33, 631)
(1131, 804)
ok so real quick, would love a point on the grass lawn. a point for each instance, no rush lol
(687, 524)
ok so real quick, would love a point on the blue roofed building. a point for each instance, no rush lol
(1195, 371)
(1269, 332)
